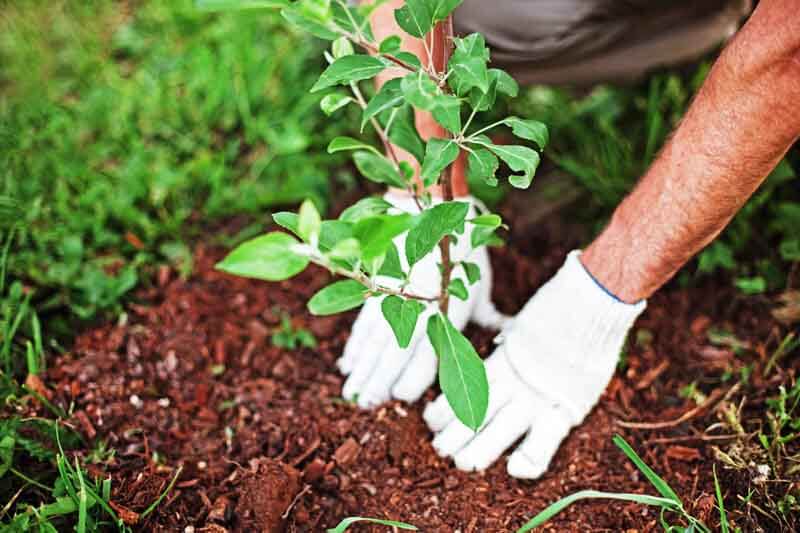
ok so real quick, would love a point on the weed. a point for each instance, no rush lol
(289, 337)
(668, 501)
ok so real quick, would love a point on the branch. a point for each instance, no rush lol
(367, 281)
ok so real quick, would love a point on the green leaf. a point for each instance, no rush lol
(402, 315)
(342, 47)
(432, 225)
(346, 250)
(754, 285)
(349, 68)
(351, 19)
(376, 233)
(333, 102)
(563, 503)
(391, 264)
(350, 520)
(377, 168)
(482, 235)
(482, 164)
(489, 220)
(439, 153)
(341, 144)
(308, 222)
(473, 272)
(458, 289)
(404, 134)
(505, 83)
(415, 17)
(409, 58)
(333, 231)
(366, 207)
(447, 112)
(390, 45)
(462, 376)
(421, 92)
(790, 249)
(323, 31)
(660, 485)
(337, 297)
(270, 257)
(519, 158)
(215, 5)
(440, 9)
(6, 454)
(315, 10)
(532, 130)
(388, 96)
(468, 65)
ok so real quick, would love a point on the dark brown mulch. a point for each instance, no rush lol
(192, 379)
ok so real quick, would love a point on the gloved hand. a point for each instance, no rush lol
(377, 368)
(553, 363)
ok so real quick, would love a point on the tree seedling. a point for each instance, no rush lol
(360, 245)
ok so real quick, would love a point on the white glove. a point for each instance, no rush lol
(555, 361)
(377, 368)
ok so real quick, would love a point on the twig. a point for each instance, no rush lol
(296, 499)
(367, 281)
(714, 398)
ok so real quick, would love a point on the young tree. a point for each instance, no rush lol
(371, 245)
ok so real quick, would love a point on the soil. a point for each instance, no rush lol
(189, 378)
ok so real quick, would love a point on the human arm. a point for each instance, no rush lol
(741, 123)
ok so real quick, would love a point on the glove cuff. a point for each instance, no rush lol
(573, 295)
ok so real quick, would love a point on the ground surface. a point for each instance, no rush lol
(192, 379)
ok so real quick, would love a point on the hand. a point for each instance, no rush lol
(555, 360)
(377, 368)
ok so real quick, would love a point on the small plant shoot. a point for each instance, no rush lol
(361, 245)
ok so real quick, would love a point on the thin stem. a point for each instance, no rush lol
(367, 281)
(490, 126)
(387, 144)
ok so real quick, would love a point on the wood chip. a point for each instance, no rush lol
(347, 452)
(683, 453)
(126, 515)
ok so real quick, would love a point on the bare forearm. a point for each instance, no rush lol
(743, 120)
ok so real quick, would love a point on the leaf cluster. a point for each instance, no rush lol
(360, 244)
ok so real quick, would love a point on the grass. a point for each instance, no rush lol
(125, 132)
(607, 138)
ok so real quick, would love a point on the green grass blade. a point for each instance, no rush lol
(660, 485)
(723, 518)
(350, 520)
(563, 503)
(82, 499)
(153, 505)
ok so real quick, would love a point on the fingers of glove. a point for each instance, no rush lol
(531, 458)
(438, 414)
(456, 435)
(506, 427)
(418, 375)
(364, 366)
(363, 330)
(388, 369)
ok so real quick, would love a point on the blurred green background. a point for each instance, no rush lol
(129, 129)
